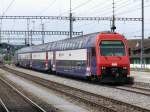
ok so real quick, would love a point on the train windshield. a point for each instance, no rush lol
(112, 48)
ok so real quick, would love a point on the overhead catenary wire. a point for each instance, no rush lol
(76, 7)
(3, 13)
(50, 5)
(81, 5)
(133, 9)
(100, 7)
(118, 6)
(104, 12)
(10, 4)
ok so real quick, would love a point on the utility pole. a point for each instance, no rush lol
(142, 40)
(32, 29)
(28, 43)
(8, 38)
(0, 35)
(71, 20)
(0, 30)
(113, 18)
(31, 37)
(43, 34)
(25, 39)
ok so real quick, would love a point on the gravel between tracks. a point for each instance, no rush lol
(141, 76)
(128, 97)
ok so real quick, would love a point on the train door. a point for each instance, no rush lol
(54, 62)
(30, 60)
(46, 61)
(88, 68)
(93, 61)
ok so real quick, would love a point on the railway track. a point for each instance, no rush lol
(3, 107)
(136, 89)
(101, 102)
(13, 100)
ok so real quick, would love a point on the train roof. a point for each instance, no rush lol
(24, 50)
(41, 47)
(79, 42)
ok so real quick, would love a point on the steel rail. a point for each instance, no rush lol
(5, 109)
(36, 106)
(136, 90)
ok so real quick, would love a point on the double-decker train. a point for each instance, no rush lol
(99, 56)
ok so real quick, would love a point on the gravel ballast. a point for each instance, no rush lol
(128, 97)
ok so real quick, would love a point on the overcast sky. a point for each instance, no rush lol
(100, 8)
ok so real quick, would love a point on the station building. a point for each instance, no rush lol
(135, 52)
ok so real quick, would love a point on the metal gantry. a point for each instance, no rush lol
(74, 18)
(13, 32)
(42, 32)
(14, 38)
(31, 33)
(142, 39)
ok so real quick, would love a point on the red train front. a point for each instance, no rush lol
(112, 57)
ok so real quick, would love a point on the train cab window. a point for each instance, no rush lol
(112, 48)
(93, 51)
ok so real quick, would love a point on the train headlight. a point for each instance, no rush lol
(88, 71)
(124, 67)
(103, 68)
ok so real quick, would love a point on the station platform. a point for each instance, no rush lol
(141, 76)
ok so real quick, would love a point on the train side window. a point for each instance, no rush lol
(69, 46)
(93, 51)
(76, 45)
(80, 45)
(62, 46)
